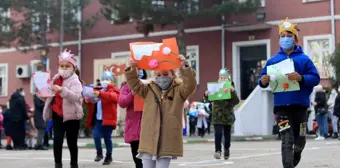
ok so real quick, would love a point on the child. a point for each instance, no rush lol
(7, 126)
(223, 117)
(65, 108)
(133, 118)
(103, 116)
(161, 129)
(31, 131)
(202, 116)
(1, 125)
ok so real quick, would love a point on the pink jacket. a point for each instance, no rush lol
(72, 99)
(133, 118)
(1, 122)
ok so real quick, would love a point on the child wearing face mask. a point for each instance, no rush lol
(65, 108)
(103, 116)
(133, 118)
(223, 117)
(161, 128)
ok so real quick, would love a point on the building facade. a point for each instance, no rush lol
(242, 45)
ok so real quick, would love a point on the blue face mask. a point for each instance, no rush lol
(140, 74)
(286, 43)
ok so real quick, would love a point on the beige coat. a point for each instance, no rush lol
(162, 139)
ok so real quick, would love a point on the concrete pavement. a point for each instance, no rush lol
(250, 154)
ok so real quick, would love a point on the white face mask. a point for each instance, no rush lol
(65, 73)
(105, 83)
(22, 93)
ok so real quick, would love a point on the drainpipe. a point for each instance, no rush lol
(79, 36)
(223, 41)
(333, 24)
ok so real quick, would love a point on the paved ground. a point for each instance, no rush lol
(261, 154)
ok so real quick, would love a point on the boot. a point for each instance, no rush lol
(9, 147)
(108, 159)
(58, 165)
(226, 154)
(335, 136)
(217, 155)
(99, 157)
(41, 147)
(297, 158)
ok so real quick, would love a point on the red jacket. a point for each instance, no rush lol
(109, 100)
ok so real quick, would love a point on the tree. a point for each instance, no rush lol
(335, 62)
(41, 18)
(6, 36)
(148, 13)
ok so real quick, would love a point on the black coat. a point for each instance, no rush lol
(38, 113)
(7, 123)
(337, 106)
(321, 100)
(18, 110)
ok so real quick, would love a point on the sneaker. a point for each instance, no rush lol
(335, 136)
(297, 158)
(226, 154)
(217, 155)
(320, 138)
(40, 147)
(98, 158)
(108, 160)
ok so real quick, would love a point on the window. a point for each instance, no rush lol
(35, 20)
(4, 15)
(193, 60)
(3, 79)
(320, 49)
(158, 2)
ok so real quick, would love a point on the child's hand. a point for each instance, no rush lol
(182, 59)
(207, 92)
(132, 63)
(56, 88)
(232, 89)
(96, 93)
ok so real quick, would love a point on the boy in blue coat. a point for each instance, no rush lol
(291, 107)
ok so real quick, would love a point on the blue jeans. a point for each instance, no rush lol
(100, 131)
(322, 120)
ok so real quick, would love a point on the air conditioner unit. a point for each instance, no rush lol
(23, 71)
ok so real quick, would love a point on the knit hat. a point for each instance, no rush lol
(107, 75)
(67, 56)
(225, 73)
(288, 25)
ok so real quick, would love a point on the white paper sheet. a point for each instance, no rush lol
(213, 88)
(286, 66)
(42, 80)
(144, 50)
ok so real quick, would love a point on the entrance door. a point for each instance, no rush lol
(252, 60)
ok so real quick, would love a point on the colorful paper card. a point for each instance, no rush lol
(88, 94)
(219, 90)
(42, 81)
(279, 81)
(156, 56)
(138, 103)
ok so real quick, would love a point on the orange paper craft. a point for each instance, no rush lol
(138, 103)
(156, 56)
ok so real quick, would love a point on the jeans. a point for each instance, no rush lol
(335, 123)
(322, 120)
(71, 128)
(134, 150)
(159, 163)
(219, 129)
(100, 131)
(292, 122)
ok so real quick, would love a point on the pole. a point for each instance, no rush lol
(80, 13)
(223, 40)
(333, 24)
(61, 25)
